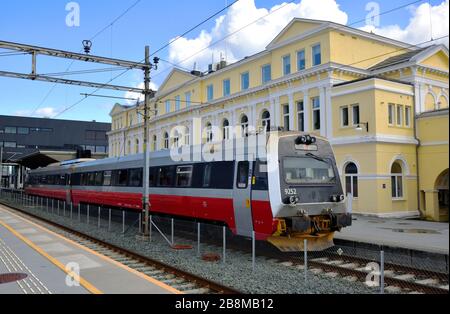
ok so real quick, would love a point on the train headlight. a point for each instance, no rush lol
(342, 198)
(305, 140)
(334, 198)
(294, 200)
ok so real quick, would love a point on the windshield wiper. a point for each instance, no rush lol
(316, 157)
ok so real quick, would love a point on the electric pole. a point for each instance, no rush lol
(145, 198)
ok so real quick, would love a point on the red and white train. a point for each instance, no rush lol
(288, 191)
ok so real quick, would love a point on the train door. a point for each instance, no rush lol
(68, 190)
(242, 198)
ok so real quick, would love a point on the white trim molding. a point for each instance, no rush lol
(381, 138)
(402, 214)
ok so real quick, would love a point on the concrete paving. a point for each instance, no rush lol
(432, 237)
(45, 257)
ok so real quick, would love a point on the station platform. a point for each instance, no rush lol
(48, 259)
(417, 235)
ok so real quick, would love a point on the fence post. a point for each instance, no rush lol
(53, 206)
(150, 228)
(382, 272)
(64, 209)
(109, 219)
(79, 211)
(58, 208)
(71, 210)
(123, 222)
(253, 250)
(48, 211)
(87, 212)
(140, 223)
(224, 249)
(198, 239)
(99, 217)
(172, 231)
(305, 248)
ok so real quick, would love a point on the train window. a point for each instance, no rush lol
(184, 176)
(76, 179)
(121, 177)
(260, 182)
(62, 179)
(107, 178)
(91, 179)
(50, 180)
(99, 178)
(166, 176)
(153, 176)
(222, 175)
(207, 175)
(308, 170)
(84, 179)
(242, 175)
(135, 176)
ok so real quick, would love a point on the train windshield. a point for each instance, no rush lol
(308, 170)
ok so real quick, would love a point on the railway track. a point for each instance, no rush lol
(397, 278)
(179, 279)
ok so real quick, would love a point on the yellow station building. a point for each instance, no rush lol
(383, 104)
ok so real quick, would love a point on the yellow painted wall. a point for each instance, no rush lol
(357, 51)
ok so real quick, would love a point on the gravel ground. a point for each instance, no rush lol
(268, 277)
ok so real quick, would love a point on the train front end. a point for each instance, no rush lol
(306, 195)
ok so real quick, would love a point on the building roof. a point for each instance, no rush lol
(402, 58)
(369, 78)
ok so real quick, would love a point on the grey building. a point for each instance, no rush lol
(29, 143)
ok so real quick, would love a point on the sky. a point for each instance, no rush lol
(50, 23)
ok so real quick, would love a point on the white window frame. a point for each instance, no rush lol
(210, 92)
(283, 61)
(177, 103)
(166, 140)
(188, 98)
(313, 55)
(301, 112)
(265, 121)
(408, 116)
(244, 126)
(286, 122)
(262, 73)
(229, 87)
(352, 177)
(209, 133)
(298, 59)
(399, 115)
(342, 116)
(354, 106)
(242, 81)
(168, 106)
(395, 179)
(391, 114)
(313, 114)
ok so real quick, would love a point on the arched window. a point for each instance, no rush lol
(351, 179)
(155, 143)
(244, 125)
(397, 180)
(129, 147)
(226, 129)
(176, 139)
(187, 137)
(137, 146)
(265, 118)
(166, 140)
(209, 133)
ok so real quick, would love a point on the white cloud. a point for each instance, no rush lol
(47, 112)
(139, 96)
(253, 38)
(419, 28)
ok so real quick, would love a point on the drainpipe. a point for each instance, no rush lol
(417, 159)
